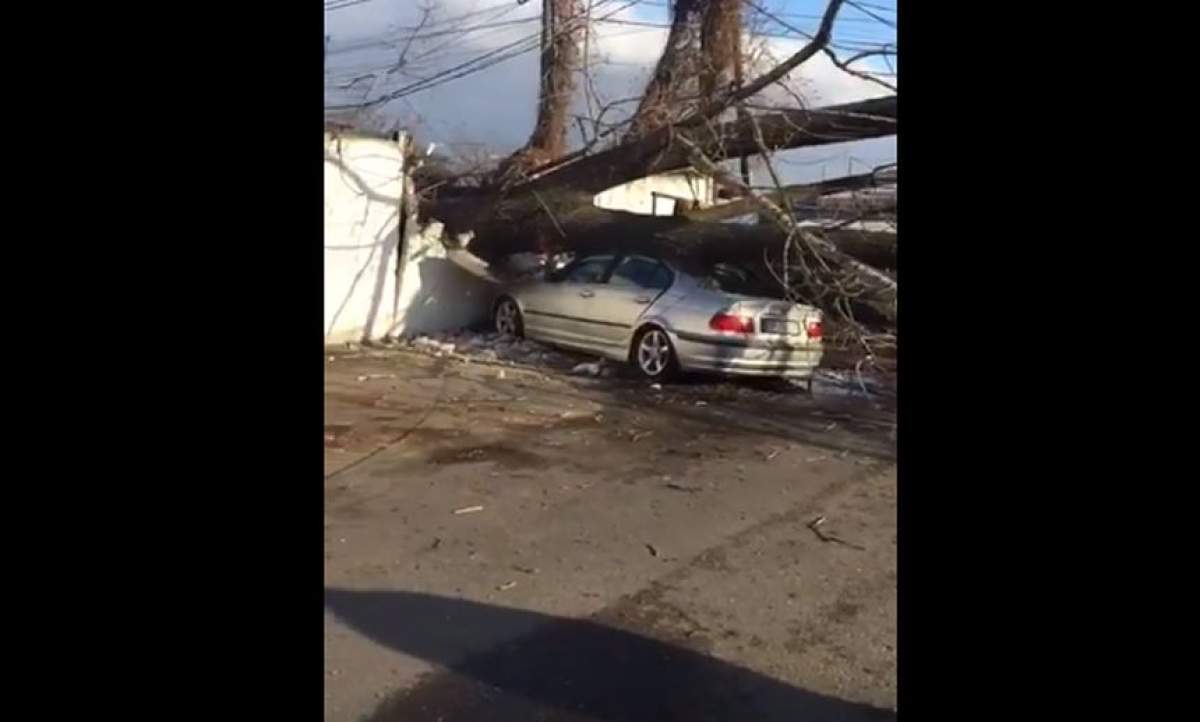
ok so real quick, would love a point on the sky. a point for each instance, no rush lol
(491, 111)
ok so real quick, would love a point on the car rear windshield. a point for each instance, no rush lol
(729, 278)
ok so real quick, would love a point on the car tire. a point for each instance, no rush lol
(507, 319)
(653, 355)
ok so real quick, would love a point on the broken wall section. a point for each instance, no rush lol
(437, 294)
(378, 283)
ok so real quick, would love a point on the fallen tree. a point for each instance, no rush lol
(577, 225)
(548, 206)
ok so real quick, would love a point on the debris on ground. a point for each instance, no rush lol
(509, 352)
(650, 548)
(506, 586)
(468, 510)
(830, 382)
(681, 487)
(489, 347)
(371, 377)
(588, 368)
(434, 346)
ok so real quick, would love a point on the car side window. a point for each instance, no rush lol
(589, 270)
(640, 272)
(729, 279)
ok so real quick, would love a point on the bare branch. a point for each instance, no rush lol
(845, 67)
(881, 287)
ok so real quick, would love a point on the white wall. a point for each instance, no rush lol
(437, 294)
(364, 182)
(638, 196)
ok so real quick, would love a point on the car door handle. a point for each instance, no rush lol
(642, 299)
(586, 294)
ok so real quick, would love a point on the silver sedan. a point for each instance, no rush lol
(662, 320)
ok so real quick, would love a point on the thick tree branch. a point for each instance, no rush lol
(657, 152)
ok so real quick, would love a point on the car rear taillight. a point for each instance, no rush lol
(737, 324)
(814, 329)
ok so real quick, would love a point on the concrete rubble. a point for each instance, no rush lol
(489, 347)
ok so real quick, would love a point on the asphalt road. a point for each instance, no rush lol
(519, 544)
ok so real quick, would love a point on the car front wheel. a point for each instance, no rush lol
(508, 319)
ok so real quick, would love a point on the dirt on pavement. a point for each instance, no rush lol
(515, 543)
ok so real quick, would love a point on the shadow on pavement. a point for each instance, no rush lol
(511, 665)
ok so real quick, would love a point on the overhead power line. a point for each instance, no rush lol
(529, 43)
(341, 4)
(481, 62)
(862, 9)
(853, 45)
(398, 37)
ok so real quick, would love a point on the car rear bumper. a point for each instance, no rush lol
(730, 356)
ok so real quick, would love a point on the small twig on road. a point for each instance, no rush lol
(829, 537)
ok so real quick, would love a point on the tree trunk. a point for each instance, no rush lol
(586, 229)
(721, 45)
(562, 27)
(674, 74)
